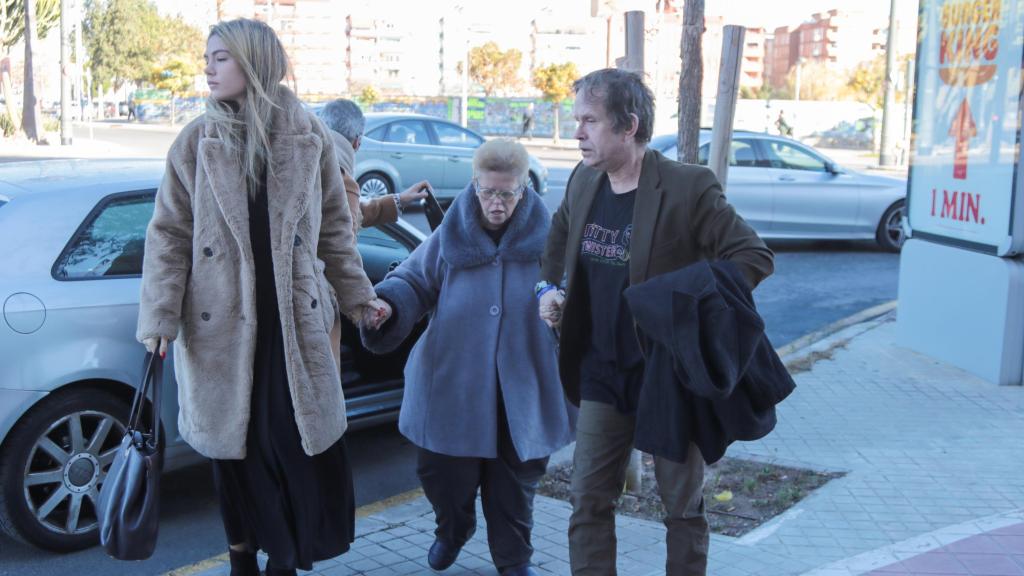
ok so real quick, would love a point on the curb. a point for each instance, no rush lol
(804, 342)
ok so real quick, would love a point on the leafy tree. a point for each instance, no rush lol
(12, 20)
(818, 81)
(493, 68)
(177, 77)
(369, 96)
(122, 38)
(866, 82)
(555, 83)
(12, 29)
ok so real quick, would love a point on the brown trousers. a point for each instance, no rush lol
(604, 440)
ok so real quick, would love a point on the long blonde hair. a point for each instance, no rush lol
(263, 61)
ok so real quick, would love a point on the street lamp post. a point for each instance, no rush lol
(887, 157)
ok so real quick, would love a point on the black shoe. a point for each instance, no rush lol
(442, 554)
(524, 570)
(273, 570)
(243, 563)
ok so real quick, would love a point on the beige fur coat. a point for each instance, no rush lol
(198, 280)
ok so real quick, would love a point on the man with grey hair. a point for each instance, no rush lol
(347, 123)
(629, 214)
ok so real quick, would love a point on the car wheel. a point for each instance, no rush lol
(890, 234)
(375, 185)
(53, 466)
(535, 182)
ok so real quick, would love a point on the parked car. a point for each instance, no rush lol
(73, 237)
(785, 189)
(401, 149)
(859, 135)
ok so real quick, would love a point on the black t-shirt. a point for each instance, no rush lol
(612, 369)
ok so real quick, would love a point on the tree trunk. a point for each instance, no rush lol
(30, 121)
(558, 109)
(8, 92)
(690, 80)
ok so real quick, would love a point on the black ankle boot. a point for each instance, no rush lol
(243, 563)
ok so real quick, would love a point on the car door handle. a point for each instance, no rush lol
(453, 158)
(397, 155)
(787, 178)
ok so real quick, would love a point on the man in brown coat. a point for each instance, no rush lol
(347, 123)
(629, 214)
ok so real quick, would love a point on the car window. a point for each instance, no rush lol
(378, 132)
(110, 242)
(448, 135)
(783, 155)
(378, 238)
(408, 132)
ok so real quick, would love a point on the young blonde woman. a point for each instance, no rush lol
(250, 256)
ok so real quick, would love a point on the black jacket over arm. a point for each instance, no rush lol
(712, 376)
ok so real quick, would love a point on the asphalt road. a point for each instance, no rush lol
(815, 283)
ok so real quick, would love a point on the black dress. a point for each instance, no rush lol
(296, 508)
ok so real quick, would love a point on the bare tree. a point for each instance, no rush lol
(30, 121)
(690, 80)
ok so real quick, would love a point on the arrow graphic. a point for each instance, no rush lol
(963, 129)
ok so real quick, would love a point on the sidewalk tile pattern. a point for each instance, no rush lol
(929, 452)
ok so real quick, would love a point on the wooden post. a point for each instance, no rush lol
(725, 103)
(690, 80)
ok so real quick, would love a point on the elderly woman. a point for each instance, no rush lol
(482, 397)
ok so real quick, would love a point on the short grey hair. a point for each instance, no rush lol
(502, 155)
(344, 117)
(621, 93)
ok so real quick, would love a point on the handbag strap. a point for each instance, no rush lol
(152, 377)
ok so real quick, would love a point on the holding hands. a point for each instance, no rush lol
(551, 303)
(375, 313)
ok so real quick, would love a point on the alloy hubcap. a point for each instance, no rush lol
(894, 227)
(66, 468)
(373, 188)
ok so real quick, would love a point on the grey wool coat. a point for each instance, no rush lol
(198, 279)
(484, 332)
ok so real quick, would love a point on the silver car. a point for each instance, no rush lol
(785, 189)
(73, 237)
(402, 149)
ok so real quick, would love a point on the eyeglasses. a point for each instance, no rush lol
(505, 196)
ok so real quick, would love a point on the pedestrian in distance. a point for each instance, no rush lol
(347, 124)
(482, 399)
(250, 256)
(628, 214)
(528, 120)
(782, 126)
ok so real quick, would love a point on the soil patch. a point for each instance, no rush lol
(739, 495)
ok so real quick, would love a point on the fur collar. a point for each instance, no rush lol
(465, 243)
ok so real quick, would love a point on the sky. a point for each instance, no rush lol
(752, 13)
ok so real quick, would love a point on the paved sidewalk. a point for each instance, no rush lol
(934, 484)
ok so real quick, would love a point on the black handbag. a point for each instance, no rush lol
(129, 505)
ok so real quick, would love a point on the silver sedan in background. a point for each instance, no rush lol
(787, 190)
(400, 149)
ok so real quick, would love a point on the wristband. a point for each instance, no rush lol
(545, 290)
(398, 203)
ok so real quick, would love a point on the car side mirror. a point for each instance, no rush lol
(833, 169)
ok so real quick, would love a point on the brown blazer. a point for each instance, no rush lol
(680, 216)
